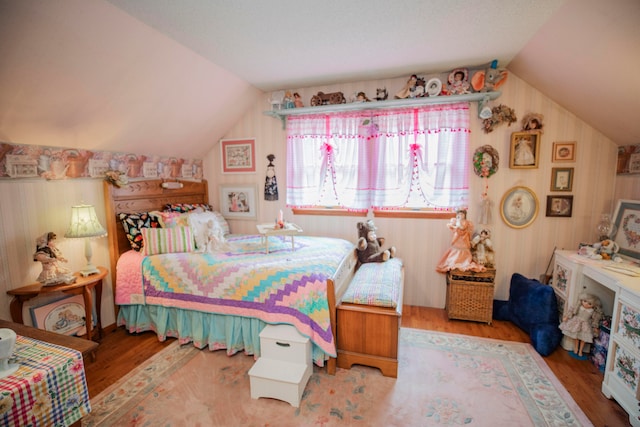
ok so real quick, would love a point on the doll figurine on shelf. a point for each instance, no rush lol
(49, 255)
(458, 256)
(582, 323)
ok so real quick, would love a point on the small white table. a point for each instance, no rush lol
(267, 230)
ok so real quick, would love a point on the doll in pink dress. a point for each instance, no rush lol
(458, 256)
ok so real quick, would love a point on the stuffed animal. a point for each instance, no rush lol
(369, 245)
(489, 80)
(607, 249)
(381, 94)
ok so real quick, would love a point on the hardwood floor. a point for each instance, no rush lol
(120, 352)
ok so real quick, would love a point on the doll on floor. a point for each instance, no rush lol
(582, 323)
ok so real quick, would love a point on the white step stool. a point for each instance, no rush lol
(285, 365)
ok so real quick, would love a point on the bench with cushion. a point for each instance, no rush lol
(368, 317)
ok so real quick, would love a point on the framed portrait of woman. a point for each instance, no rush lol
(519, 207)
(525, 150)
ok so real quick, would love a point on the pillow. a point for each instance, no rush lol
(174, 219)
(186, 207)
(206, 229)
(134, 222)
(222, 222)
(167, 240)
(376, 284)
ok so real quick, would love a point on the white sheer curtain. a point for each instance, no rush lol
(421, 157)
(327, 158)
(385, 159)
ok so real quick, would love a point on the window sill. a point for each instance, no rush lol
(424, 214)
(327, 212)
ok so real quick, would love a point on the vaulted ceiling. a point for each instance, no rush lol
(161, 71)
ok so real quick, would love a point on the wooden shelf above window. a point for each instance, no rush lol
(480, 97)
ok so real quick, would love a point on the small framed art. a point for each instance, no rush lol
(525, 150)
(63, 316)
(564, 152)
(559, 206)
(561, 179)
(238, 155)
(519, 207)
(238, 201)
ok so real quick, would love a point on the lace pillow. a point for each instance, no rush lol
(207, 231)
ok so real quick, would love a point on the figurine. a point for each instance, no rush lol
(406, 90)
(458, 256)
(49, 255)
(297, 100)
(482, 248)
(271, 183)
(288, 100)
(582, 323)
(459, 82)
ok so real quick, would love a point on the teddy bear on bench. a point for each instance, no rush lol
(369, 245)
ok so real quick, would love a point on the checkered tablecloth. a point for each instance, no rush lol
(49, 388)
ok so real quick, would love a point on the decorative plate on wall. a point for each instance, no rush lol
(519, 207)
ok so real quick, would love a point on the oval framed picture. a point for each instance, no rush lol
(519, 207)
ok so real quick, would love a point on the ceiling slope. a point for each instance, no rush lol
(587, 59)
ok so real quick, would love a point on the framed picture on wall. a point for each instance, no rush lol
(525, 150)
(564, 152)
(627, 222)
(519, 207)
(238, 201)
(561, 179)
(238, 155)
(559, 206)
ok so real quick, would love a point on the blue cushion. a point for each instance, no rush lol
(533, 307)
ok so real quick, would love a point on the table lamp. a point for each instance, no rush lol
(85, 224)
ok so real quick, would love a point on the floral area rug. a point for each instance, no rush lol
(443, 380)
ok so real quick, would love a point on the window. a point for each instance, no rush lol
(409, 158)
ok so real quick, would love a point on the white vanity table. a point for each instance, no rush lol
(620, 296)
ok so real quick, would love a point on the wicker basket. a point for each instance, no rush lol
(470, 295)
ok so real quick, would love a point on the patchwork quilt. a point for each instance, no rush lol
(283, 286)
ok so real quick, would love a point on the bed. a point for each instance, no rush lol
(222, 298)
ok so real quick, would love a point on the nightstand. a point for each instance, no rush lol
(82, 286)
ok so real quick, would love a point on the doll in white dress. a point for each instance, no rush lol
(582, 323)
(53, 272)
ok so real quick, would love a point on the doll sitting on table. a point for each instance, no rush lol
(582, 323)
(53, 272)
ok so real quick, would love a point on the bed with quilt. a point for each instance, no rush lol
(178, 271)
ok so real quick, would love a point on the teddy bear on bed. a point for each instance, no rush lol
(369, 245)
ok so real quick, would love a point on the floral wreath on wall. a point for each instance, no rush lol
(485, 163)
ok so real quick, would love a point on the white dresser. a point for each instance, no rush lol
(284, 367)
(620, 296)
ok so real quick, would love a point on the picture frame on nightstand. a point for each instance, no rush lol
(63, 316)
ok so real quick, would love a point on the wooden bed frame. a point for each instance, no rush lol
(150, 194)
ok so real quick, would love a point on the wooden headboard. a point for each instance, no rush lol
(143, 196)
